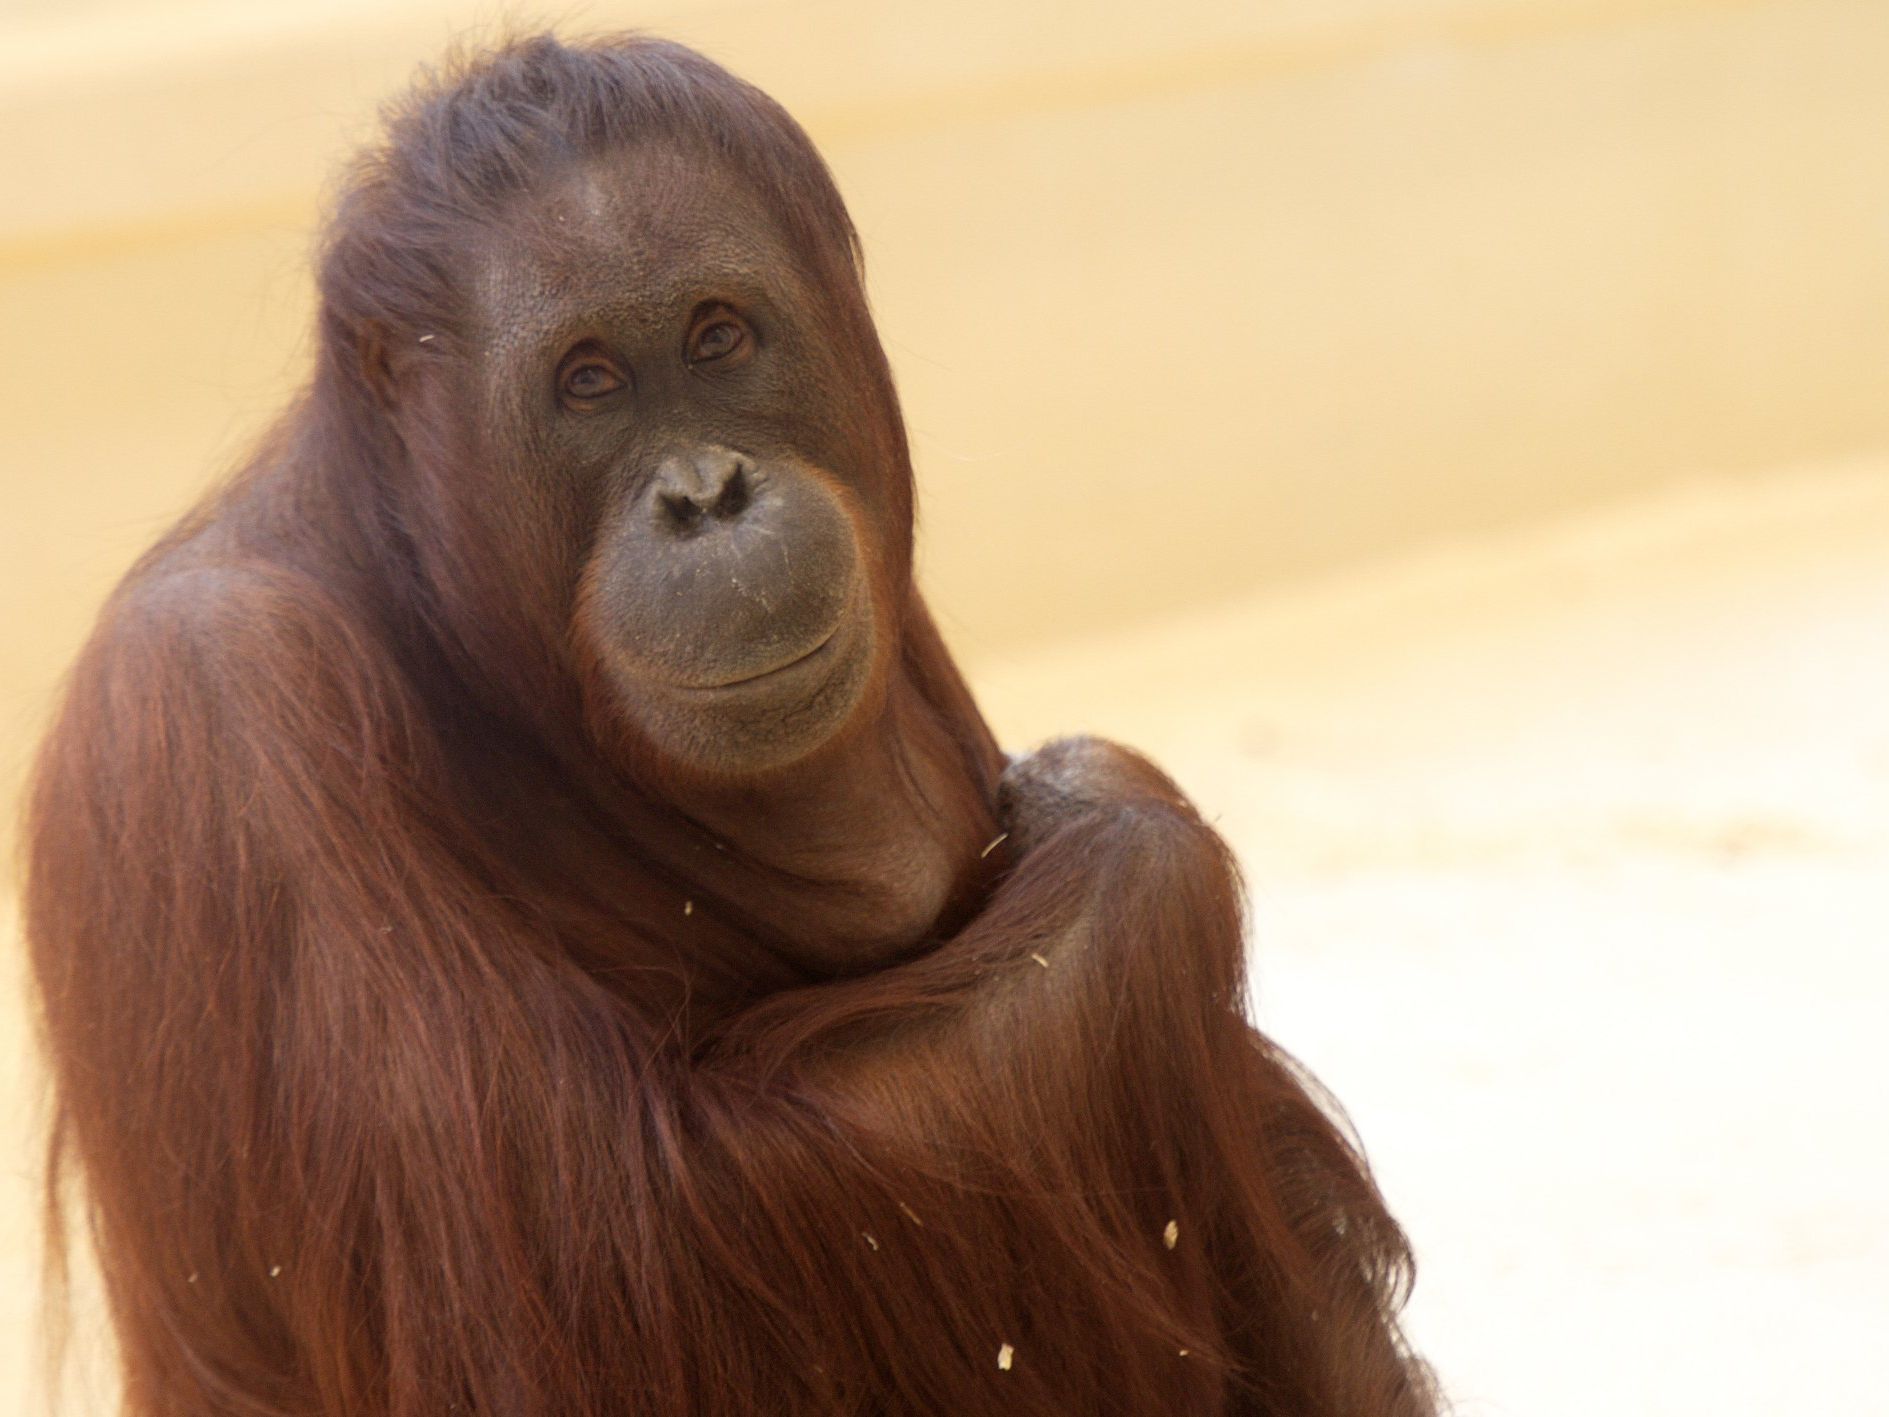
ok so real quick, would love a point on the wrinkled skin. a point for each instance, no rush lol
(731, 548)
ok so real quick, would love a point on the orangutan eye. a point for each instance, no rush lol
(587, 379)
(718, 336)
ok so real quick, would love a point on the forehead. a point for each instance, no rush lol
(624, 236)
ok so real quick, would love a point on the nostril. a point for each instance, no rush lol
(734, 497)
(691, 490)
(682, 511)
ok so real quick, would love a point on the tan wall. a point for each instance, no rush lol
(1183, 297)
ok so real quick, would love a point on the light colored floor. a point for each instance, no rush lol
(1569, 854)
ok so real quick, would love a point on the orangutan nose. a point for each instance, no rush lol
(693, 490)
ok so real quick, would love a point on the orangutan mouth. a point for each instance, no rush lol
(819, 651)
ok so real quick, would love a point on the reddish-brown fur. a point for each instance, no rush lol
(420, 1052)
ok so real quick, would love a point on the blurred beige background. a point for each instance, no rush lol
(1453, 434)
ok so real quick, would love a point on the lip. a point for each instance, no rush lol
(819, 651)
(777, 671)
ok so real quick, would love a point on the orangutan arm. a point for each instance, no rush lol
(1060, 1125)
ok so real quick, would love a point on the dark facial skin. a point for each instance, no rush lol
(653, 356)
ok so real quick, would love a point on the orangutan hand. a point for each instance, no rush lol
(1068, 779)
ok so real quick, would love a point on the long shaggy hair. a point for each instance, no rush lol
(418, 1054)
